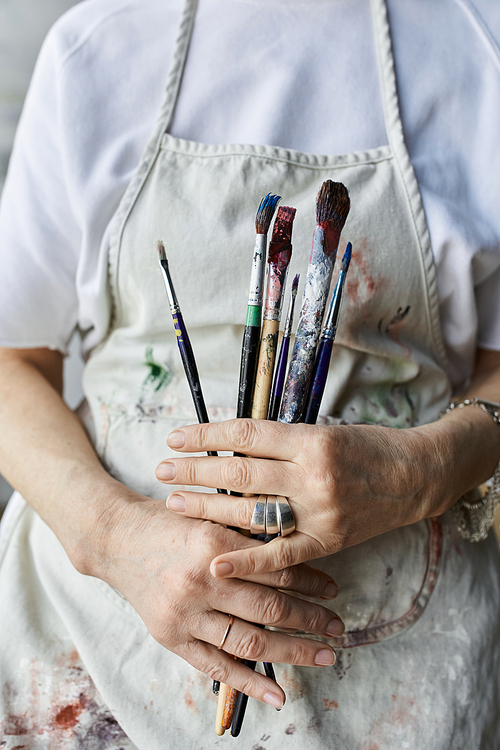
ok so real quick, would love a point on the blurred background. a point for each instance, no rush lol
(23, 26)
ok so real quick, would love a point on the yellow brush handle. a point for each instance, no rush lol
(265, 368)
(221, 704)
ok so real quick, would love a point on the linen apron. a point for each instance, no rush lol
(79, 668)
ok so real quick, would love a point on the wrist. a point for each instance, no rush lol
(104, 502)
(463, 452)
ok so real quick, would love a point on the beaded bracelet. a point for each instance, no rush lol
(474, 515)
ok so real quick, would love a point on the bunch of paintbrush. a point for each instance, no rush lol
(280, 253)
(324, 353)
(332, 208)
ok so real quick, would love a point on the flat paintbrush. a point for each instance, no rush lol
(324, 353)
(251, 335)
(332, 208)
(280, 253)
(279, 378)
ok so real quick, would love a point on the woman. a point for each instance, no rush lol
(423, 601)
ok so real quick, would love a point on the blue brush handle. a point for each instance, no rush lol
(320, 375)
(279, 380)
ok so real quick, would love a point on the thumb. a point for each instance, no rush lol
(281, 553)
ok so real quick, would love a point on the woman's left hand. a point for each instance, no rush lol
(344, 483)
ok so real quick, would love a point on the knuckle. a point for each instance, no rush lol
(300, 653)
(287, 578)
(315, 620)
(188, 468)
(245, 434)
(242, 515)
(220, 671)
(251, 645)
(276, 610)
(237, 473)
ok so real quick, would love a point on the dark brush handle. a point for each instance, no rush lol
(279, 380)
(320, 375)
(248, 369)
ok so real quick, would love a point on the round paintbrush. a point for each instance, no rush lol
(279, 378)
(280, 253)
(332, 208)
(323, 356)
(251, 334)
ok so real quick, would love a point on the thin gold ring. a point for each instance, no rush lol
(224, 637)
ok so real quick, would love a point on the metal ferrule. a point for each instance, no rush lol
(330, 328)
(287, 330)
(172, 299)
(257, 278)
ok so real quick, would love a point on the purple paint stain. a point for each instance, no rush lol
(291, 729)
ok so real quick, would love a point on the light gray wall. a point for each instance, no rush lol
(23, 26)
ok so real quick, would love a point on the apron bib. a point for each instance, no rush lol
(388, 368)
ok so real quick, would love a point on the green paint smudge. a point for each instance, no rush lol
(159, 376)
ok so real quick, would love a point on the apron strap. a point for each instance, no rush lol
(395, 135)
(177, 65)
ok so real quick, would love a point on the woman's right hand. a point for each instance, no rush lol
(160, 563)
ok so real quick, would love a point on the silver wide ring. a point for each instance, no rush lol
(272, 524)
(258, 522)
(286, 520)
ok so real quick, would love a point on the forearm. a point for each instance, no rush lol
(466, 441)
(47, 456)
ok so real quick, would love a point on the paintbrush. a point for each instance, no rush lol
(280, 253)
(184, 344)
(279, 378)
(251, 335)
(251, 341)
(188, 360)
(219, 726)
(332, 208)
(324, 353)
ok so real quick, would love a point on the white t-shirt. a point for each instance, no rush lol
(288, 73)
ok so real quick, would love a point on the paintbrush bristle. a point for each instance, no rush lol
(265, 213)
(332, 205)
(282, 230)
(346, 258)
(161, 250)
(295, 284)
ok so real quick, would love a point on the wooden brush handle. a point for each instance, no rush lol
(265, 369)
(221, 705)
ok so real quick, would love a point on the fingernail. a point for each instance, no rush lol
(274, 700)
(223, 569)
(165, 471)
(176, 439)
(325, 658)
(176, 502)
(331, 591)
(335, 627)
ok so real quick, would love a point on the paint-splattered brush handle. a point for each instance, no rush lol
(265, 368)
(320, 376)
(279, 379)
(248, 367)
(316, 290)
(323, 356)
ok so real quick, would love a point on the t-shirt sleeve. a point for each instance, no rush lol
(40, 238)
